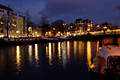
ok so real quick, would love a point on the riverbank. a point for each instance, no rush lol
(23, 41)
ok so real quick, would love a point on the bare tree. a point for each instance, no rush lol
(58, 24)
(45, 24)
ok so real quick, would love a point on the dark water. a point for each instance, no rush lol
(52, 61)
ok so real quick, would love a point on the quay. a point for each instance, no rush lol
(22, 41)
(28, 40)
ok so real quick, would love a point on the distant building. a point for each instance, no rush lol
(37, 31)
(83, 25)
(79, 25)
(11, 24)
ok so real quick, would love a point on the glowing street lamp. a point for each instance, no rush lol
(102, 31)
(88, 30)
(17, 31)
(104, 27)
(49, 32)
(58, 32)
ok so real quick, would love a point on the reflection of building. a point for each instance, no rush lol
(11, 23)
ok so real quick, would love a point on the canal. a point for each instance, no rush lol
(48, 61)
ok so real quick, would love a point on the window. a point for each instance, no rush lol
(20, 23)
(14, 22)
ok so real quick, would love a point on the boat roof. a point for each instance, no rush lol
(109, 50)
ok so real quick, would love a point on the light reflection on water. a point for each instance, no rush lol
(89, 54)
(36, 53)
(30, 53)
(75, 48)
(68, 51)
(65, 51)
(64, 55)
(53, 49)
(59, 54)
(18, 58)
(59, 51)
(50, 54)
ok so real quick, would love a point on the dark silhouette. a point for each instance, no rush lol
(59, 25)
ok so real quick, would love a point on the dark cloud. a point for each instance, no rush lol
(58, 7)
(96, 10)
(118, 7)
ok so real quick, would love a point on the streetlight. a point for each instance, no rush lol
(105, 28)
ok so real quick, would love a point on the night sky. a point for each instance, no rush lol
(98, 11)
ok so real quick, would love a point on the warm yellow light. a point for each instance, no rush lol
(50, 53)
(89, 53)
(88, 29)
(102, 31)
(36, 53)
(1, 36)
(35, 32)
(75, 47)
(46, 33)
(105, 27)
(30, 49)
(68, 50)
(2, 23)
(59, 50)
(38, 35)
(74, 34)
(59, 32)
(49, 32)
(53, 28)
(68, 33)
(18, 57)
(116, 30)
(89, 25)
(108, 30)
(17, 31)
(98, 26)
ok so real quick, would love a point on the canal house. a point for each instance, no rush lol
(11, 23)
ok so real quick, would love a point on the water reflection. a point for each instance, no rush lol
(2, 60)
(75, 48)
(53, 49)
(18, 58)
(97, 48)
(30, 52)
(59, 52)
(36, 53)
(50, 53)
(68, 50)
(80, 49)
(47, 52)
(59, 56)
(89, 53)
(64, 56)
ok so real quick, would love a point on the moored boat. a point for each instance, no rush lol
(107, 62)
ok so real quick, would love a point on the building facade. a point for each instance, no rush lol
(83, 25)
(11, 24)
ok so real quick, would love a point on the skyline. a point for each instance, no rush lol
(98, 11)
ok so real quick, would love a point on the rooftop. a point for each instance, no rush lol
(5, 7)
